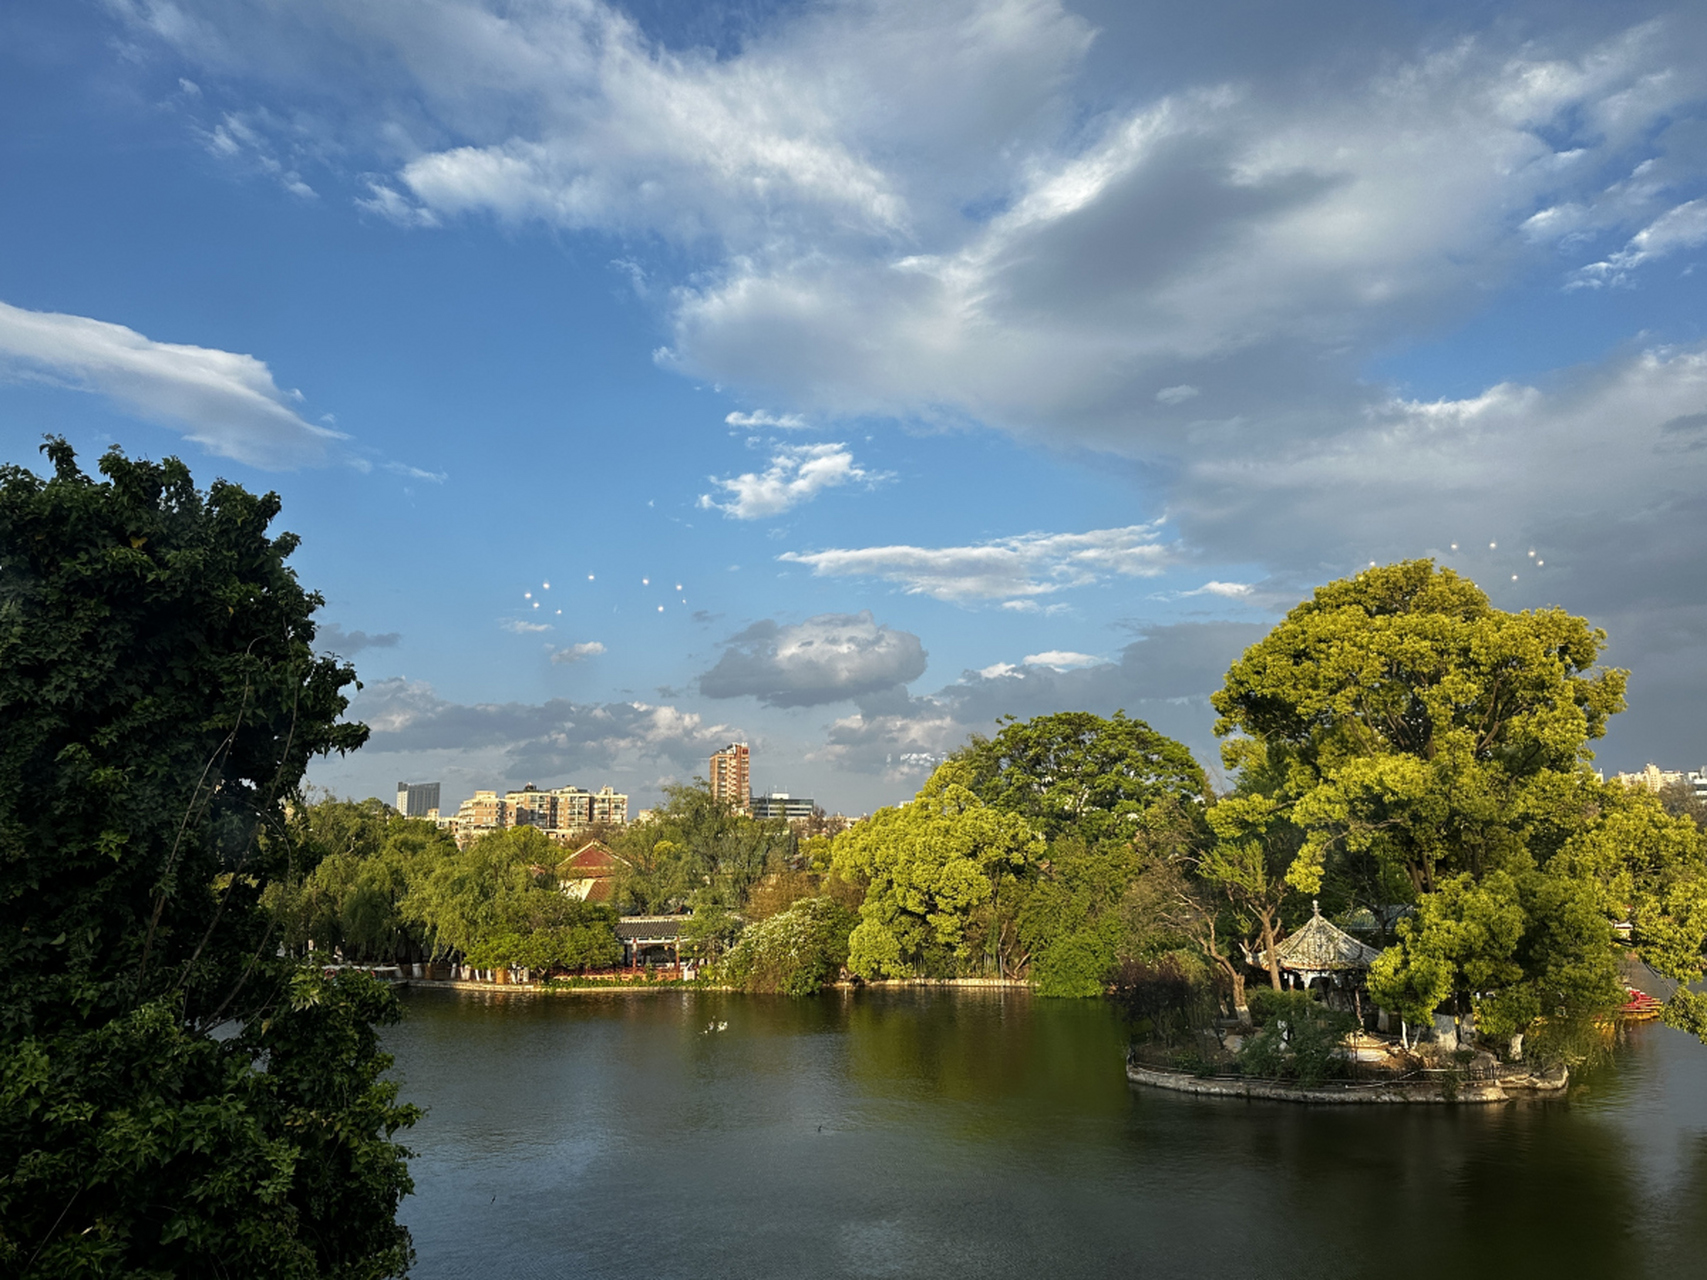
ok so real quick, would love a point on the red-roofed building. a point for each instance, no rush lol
(590, 872)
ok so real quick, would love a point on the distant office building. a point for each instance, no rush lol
(418, 799)
(779, 804)
(732, 777)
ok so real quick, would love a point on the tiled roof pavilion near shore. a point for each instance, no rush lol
(1319, 950)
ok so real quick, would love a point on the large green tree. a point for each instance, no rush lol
(1409, 716)
(935, 870)
(1088, 784)
(160, 699)
(1398, 720)
(1079, 773)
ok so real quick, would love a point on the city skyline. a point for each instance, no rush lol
(839, 378)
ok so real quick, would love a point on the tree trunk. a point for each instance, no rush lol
(1268, 950)
(1241, 1010)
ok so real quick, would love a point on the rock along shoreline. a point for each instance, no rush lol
(1504, 1088)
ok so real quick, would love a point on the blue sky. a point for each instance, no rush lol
(857, 373)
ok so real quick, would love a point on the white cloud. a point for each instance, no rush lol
(1164, 677)
(1683, 227)
(1177, 395)
(1226, 590)
(797, 473)
(762, 418)
(226, 402)
(1062, 659)
(1028, 565)
(833, 657)
(578, 652)
(522, 627)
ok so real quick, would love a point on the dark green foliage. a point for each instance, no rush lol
(1165, 999)
(795, 952)
(1299, 1038)
(159, 702)
(1080, 773)
(364, 857)
(159, 698)
(1071, 921)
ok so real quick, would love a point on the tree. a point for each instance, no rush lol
(1410, 717)
(795, 952)
(1086, 783)
(699, 851)
(930, 867)
(1402, 719)
(159, 702)
(1079, 772)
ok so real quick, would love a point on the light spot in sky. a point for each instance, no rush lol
(660, 608)
(527, 595)
(1492, 546)
(548, 585)
(646, 582)
(589, 577)
(1455, 546)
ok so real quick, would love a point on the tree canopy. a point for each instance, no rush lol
(934, 870)
(1406, 714)
(160, 698)
(1074, 771)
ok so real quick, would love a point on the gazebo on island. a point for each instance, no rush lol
(1322, 953)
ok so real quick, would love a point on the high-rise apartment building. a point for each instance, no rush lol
(417, 799)
(560, 813)
(732, 776)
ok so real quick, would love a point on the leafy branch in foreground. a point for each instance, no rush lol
(160, 700)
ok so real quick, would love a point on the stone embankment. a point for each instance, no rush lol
(1430, 1089)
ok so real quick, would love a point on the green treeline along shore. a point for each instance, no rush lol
(185, 1089)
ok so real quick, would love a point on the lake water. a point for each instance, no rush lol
(948, 1134)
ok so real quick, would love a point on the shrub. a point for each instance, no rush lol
(1166, 999)
(1299, 1038)
(795, 952)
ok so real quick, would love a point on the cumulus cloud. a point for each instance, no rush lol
(226, 402)
(833, 657)
(347, 644)
(797, 473)
(522, 627)
(545, 738)
(1163, 677)
(578, 652)
(1030, 564)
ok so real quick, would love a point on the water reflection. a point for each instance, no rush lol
(954, 1134)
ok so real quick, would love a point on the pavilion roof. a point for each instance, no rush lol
(1319, 947)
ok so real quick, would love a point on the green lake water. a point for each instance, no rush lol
(947, 1134)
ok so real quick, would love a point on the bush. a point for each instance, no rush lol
(1299, 1038)
(1166, 999)
(796, 952)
